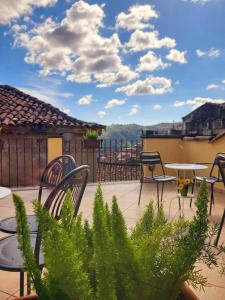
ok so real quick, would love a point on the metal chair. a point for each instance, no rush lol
(211, 179)
(52, 175)
(151, 160)
(10, 256)
(221, 165)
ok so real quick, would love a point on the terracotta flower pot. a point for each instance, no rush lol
(188, 293)
(30, 297)
(91, 144)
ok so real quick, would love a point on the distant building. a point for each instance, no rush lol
(208, 119)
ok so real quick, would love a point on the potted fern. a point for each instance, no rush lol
(103, 261)
(91, 140)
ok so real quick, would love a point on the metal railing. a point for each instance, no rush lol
(118, 160)
(23, 159)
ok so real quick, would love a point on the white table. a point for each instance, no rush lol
(186, 167)
(4, 192)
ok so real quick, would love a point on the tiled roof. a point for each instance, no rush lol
(20, 109)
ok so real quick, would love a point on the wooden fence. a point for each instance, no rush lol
(24, 157)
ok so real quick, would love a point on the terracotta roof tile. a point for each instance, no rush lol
(18, 108)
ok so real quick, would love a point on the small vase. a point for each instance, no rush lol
(184, 191)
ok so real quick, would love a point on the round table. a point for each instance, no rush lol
(4, 192)
(186, 167)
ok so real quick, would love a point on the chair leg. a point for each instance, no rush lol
(211, 200)
(140, 192)
(162, 191)
(179, 203)
(220, 229)
(158, 194)
(21, 284)
(192, 191)
(28, 284)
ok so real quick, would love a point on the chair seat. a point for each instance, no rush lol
(163, 178)
(11, 257)
(9, 225)
(208, 179)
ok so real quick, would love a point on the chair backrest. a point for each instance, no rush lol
(76, 182)
(215, 164)
(221, 165)
(151, 159)
(55, 171)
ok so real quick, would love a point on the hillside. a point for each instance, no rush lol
(133, 131)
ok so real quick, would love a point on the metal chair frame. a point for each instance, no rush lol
(151, 159)
(76, 181)
(51, 176)
(218, 179)
(221, 165)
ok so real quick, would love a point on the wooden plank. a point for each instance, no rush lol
(42, 154)
(1, 147)
(35, 160)
(5, 162)
(21, 162)
(28, 168)
(13, 161)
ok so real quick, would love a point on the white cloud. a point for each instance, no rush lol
(212, 52)
(197, 1)
(41, 95)
(142, 40)
(150, 62)
(134, 110)
(66, 110)
(74, 47)
(200, 53)
(157, 106)
(125, 74)
(137, 17)
(177, 56)
(115, 102)
(148, 86)
(212, 86)
(101, 114)
(85, 100)
(197, 101)
(49, 95)
(14, 9)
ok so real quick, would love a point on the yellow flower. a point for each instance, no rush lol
(180, 186)
(187, 181)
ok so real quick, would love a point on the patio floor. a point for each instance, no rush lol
(127, 195)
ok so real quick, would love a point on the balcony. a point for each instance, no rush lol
(127, 193)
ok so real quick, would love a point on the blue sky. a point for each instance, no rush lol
(124, 61)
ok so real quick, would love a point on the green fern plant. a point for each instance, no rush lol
(91, 134)
(104, 262)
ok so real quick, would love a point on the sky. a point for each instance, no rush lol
(123, 62)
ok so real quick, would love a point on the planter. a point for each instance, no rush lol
(92, 144)
(30, 297)
(186, 294)
(184, 191)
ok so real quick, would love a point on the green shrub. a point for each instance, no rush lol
(91, 134)
(104, 262)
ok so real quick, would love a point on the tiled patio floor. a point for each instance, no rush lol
(127, 195)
